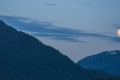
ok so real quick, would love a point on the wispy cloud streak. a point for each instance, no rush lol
(116, 26)
(49, 4)
(47, 29)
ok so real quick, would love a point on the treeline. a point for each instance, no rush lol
(105, 79)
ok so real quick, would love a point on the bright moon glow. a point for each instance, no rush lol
(118, 32)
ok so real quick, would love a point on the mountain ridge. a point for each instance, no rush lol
(106, 61)
(23, 57)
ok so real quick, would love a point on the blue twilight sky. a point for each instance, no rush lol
(77, 28)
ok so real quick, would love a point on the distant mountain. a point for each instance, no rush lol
(23, 57)
(108, 61)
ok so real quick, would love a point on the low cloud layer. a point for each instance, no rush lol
(49, 30)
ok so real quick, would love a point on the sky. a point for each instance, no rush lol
(77, 28)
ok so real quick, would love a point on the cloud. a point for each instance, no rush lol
(49, 30)
(116, 26)
(49, 4)
(41, 29)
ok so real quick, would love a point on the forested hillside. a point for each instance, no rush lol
(23, 57)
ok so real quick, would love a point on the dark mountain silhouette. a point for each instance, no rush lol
(108, 61)
(23, 57)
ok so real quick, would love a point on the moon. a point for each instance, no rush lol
(118, 32)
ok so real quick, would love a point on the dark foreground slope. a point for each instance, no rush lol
(23, 57)
(108, 61)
